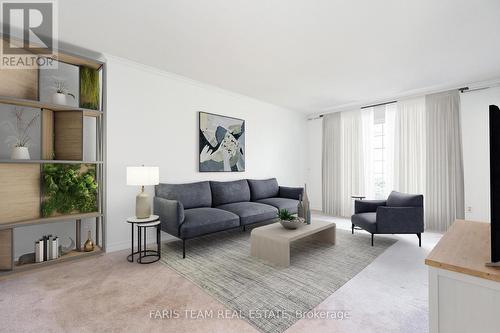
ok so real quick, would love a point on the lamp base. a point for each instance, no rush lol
(142, 206)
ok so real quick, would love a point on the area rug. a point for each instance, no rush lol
(269, 297)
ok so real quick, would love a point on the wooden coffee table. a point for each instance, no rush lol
(272, 242)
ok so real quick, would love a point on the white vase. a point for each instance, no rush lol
(20, 153)
(59, 99)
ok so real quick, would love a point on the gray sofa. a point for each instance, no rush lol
(400, 214)
(195, 209)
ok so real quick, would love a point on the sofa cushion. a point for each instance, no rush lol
(191, 195)
(264, 188)
(200, 221)
(251, 212)
(229, 192)
(281, 203)
(291, 192)
(367, 221)
(398, 199)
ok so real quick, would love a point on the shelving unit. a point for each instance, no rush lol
(61, 142)
(65, 257)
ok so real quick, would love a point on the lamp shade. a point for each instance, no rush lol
(142, 176)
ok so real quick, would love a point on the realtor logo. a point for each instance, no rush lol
(29, 33)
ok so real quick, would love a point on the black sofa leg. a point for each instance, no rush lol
(183, 248)
(419, 235)
(244, 229)
(352, 228)
(372, 239)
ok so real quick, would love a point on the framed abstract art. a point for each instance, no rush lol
(221, 143)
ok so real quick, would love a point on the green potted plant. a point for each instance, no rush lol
(288, 220)
(69, 189)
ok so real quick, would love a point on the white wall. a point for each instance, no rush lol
(313, 167)
(475, 138)
(152, 120)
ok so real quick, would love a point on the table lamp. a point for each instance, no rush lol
(142, 176)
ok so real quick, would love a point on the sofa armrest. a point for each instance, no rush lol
(367, 206)
(400, 220)
(171, 213)
(290, 192)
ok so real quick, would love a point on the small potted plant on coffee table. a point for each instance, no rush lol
(288, 220)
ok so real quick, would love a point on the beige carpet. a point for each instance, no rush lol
(268, 296)
(105, 294)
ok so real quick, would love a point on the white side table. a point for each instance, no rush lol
(355, 197)
(142, 251)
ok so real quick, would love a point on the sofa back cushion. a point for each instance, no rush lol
(398, 199)
(263, 189)
(229, 192)
(191, 195)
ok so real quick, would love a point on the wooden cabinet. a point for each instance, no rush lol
(464, 294)
(6, 249)
(19, 192)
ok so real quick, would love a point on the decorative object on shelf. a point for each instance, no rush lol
(89, 244)
(300, 207)
(20, 137)
(61, 92)
(58, 83)
(47, 248)
(307, 207)
(221, 143)
(142, 176)
(69, 188)
(288, 220)
(89, 88)
(67, 249)
(28, 258)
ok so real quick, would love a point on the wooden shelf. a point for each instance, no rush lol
(49, 106)
(46, 220)
(66, 257)
(50, 162)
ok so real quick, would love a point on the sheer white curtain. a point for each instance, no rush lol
(422, 154)
(389, 151)
(367, 121)
(343, 168)
(409, 146)
(444, 195)
(331, 165)
(352, 159)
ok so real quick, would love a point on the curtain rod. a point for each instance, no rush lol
(462, 90)
(379, 104)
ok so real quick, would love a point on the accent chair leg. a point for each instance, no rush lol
(419, 235)
(372, 239)
(183, 248)
(352, 228)
(244, 229)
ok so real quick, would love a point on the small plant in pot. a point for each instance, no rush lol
(288, 220)
(20, 138)
(61, 91)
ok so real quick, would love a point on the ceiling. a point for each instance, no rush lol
(306, 55)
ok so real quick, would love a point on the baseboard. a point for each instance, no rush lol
(118, 246)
